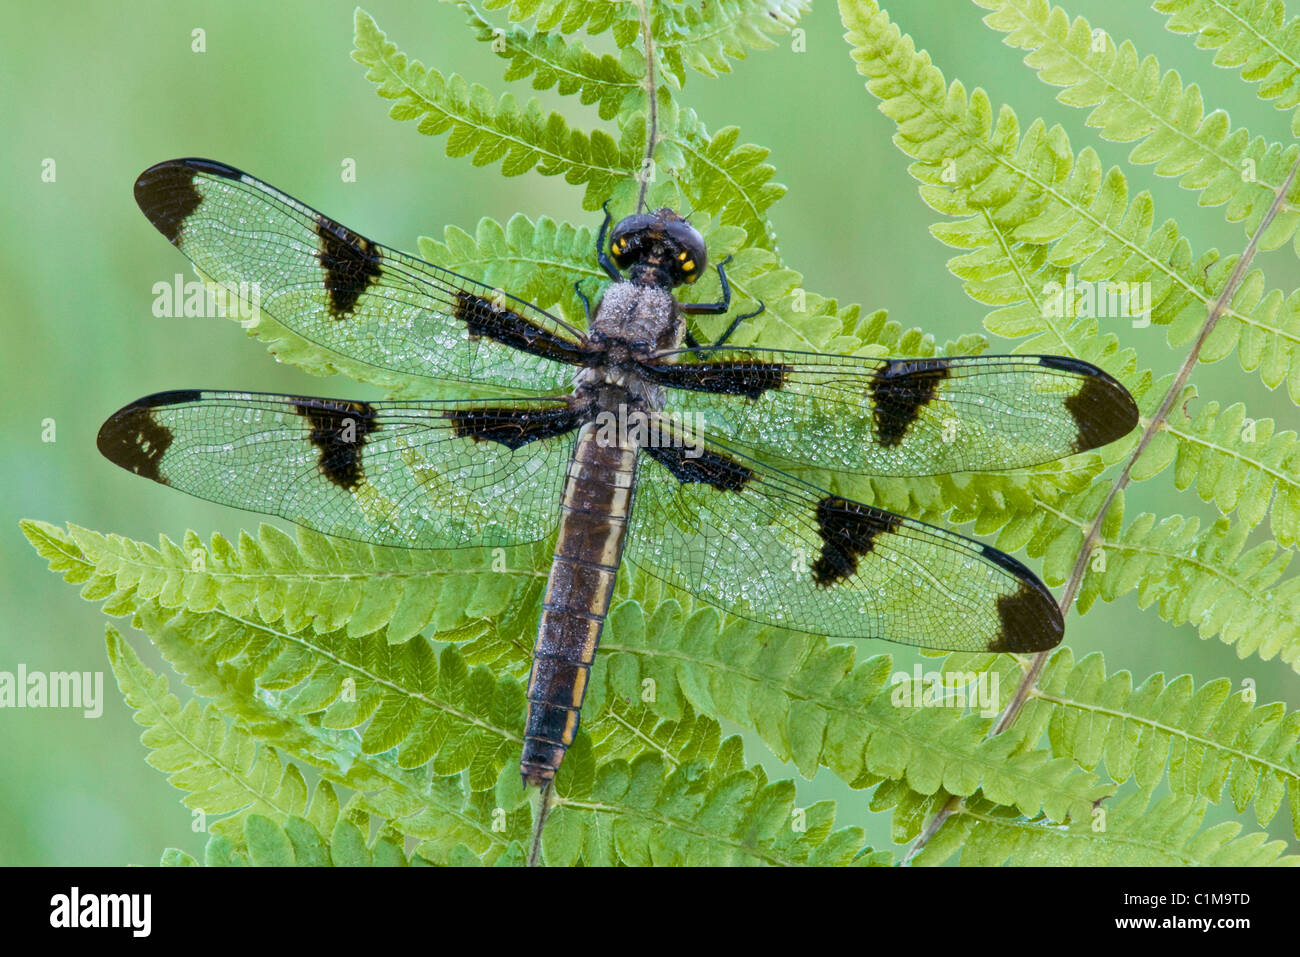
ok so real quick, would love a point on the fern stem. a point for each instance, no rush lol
(1093, 534)
(652, 134)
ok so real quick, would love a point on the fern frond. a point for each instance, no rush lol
(1033, 211)
(637, 814)
(411, 709)
(568, 66)
(1236, 462)
(230, 770)
(1202, 579)
(1003, 270)
(727, 178)
(488, 129)
(707, 38)
(212, 653)
(319, 583)
(1132, 100)
(1132, 833)
(223, 769)
(1253, 36)
(690, 800)
(722, 177)
(570, 16)
(1208, 580)
(1205, 738)
(265, 842)
(621, 812)
(803, 696)
(427, 709)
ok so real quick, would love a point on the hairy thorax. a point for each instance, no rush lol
(632, 319)
(638, 313)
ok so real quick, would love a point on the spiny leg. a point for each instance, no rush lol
(735, 324)
(717, 309)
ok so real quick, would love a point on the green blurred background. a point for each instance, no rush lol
(108, 89)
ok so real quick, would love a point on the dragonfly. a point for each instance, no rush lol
(628, 440)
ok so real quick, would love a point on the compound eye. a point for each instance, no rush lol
(623, 251)
(690, 272)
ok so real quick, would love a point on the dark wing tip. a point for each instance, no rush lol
(1103, 409)
(1030, 619)
(165, 192)
(134, 439)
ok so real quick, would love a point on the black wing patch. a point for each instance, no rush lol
(338, 430)
(739, 377)
(137, 440)
(695, 464)
(167, 195)
(350, 264)
(848, 531)
(1102, 408)
(484, 317)
(513, 427)
(901, 389)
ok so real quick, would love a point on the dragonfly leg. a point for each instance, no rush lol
(735, 324)
(717, 309)
(602, 253)
(586, 303)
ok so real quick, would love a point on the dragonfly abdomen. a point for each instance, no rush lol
(593, 525)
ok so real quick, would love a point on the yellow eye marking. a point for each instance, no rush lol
(682, 255)
(689, 265)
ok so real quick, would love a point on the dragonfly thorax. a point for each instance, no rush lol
(638, 315)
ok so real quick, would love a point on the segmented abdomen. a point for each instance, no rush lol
(593, 523)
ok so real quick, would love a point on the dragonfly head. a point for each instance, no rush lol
(659, 247)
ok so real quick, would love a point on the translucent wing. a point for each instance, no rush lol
(348, 294)
(766, 546)
(410, 474)
(897, 416)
